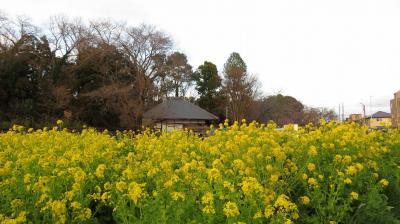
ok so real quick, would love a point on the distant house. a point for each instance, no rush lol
(379, 119)
(177, 114)
(395, 109)
(355, 118)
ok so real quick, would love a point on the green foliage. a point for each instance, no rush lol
(208, 82)
(208, 85)
(178, 74)
(24, 79)
(235, 63)
(240, 88)
(281, 109)
(107, 75)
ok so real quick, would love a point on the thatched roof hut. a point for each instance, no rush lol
(177, 114)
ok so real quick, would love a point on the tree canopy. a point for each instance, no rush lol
(241, 88)
(106, 74)
(209, 87)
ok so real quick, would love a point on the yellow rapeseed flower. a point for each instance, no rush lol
(346, 159)
(177, 196)
(351, 170)
(120, 186)
(288, 221)
(231, 209)
(213, 174)
(268, 212)
(312, 182)
(338, 158)
(312, 151)
(384, 182)
(258, 215)
(354, 195)
(347, 181)
(311, 167)
(305, 200)
(75, 205)
(283, 203)
(274, 178)
(207, 198)
(246, 166)
(87, 213)
(135, 192)
(208, 209)
(269, 167)
(100, 171)
(16, 203)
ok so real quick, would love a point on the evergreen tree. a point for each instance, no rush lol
(240, 87)
(208, 85)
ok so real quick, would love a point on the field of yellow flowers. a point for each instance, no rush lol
(248, 173)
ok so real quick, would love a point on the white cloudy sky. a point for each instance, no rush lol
(321, 52)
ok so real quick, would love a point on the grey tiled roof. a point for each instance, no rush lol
(381, 114)
(178, 109)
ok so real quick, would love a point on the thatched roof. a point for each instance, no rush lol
(178, 109)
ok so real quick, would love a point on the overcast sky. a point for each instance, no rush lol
(321, 52)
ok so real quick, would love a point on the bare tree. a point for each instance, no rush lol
(106, 31)
(114, 66)
(142, 45)
(117, 97)
(26, 27)
(13, 30)
(177, 77)
(7, 32)
(68, 36)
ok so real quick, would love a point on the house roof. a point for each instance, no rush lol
(178, 109)
(381, 114)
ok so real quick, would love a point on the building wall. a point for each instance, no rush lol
(197, 126)
(379, 122)
(395, 109)
(355, 117)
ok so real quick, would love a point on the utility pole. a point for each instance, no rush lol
(370, 105)
(339, 113)
(342, 112)
(363, 108)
